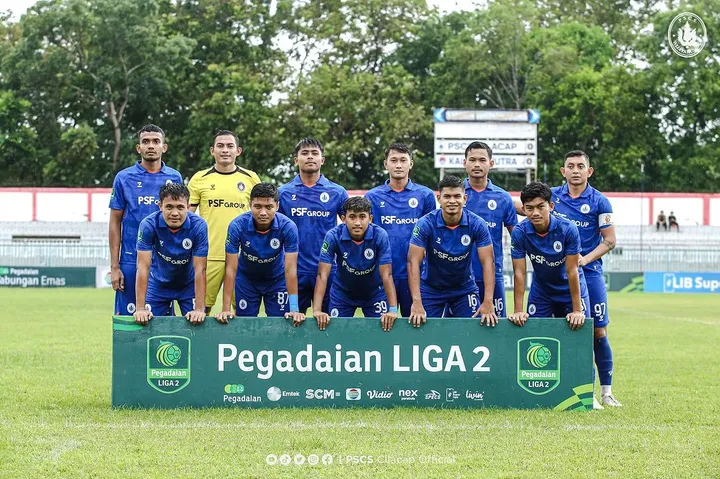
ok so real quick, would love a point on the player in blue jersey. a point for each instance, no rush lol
(134, 196)
(314, 204)
(449, 237)
(592, 213)
(553, 245)
(364, 268)
(172, 249)
(495, 206)
(261, 253)
(397, 206)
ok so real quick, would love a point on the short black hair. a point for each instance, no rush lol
(401, 147)
(226, 132)
(265, 190)
(450, 181)
(309, 142)
(151, 129)
(574, 153)
(478, 145)
(175, 191)
(534, 190)
(357, 204)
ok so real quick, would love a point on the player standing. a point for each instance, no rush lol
(592, 213)
(222, 192)
(261, 253)
(313, 203)
(172, 248)
(363, 278)
(134, 196)
(397, 206)
(495, 206)
(450, 236)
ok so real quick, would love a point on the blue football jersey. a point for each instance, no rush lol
(495, 206)
(397, 212)
(261, 254)
(358, 263)
(173, 250)
(136, 191)
(590, 212)
(449, 250)
(548, 254)
(315, 211)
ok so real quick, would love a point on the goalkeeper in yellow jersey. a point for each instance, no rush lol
(219, 194)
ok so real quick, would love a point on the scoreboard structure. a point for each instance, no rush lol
(512, 135)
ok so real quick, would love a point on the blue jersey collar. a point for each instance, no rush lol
(369, 233)
(565, 190)
(140, 169)
(489, 186)
(409, 187)
(321, 181)
(440, 222)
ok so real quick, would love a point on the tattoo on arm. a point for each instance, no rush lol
(610, 245)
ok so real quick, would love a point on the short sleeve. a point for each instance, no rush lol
(383, 246)
(481, 233)
(117, 195)
(290, 237)
(510, 215)
(194, 191)
(605, 213)
(282, 210)
(201, 239)
(429, 205)
(232, 241)
(343, 198)
(572, 240)
(517, 244)
(421, 232)
(329, 246)
(146, 235)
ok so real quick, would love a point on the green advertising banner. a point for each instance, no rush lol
(625, 282)
(265, 362)
(32, 277)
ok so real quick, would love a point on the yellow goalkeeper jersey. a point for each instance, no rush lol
(220, 198)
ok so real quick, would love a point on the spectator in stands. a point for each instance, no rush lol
(661, 220)
(672, 221)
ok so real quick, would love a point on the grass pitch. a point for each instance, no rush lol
(56, 421)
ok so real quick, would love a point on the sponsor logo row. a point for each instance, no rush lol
(235, 393)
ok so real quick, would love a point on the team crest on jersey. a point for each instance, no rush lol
(465, 240)
(532, 309)
(274, 243)
(241, 186)
(324, 197)
(242, 304)
(187, 243)
(334, 313)
(585, 208)
(492, 205)
(413, 202)
(369, 254)
(131, 308)
(557, 246)
(168, 182)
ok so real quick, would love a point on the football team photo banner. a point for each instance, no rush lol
(265, 362)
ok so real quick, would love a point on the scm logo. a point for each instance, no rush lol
(321, 394)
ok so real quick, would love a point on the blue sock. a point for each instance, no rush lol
(603, 360)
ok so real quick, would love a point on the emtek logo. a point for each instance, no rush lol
(308, 212)
(394, 220)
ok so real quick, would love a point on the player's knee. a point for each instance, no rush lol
(600, 332)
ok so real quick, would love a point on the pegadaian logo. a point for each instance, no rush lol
(168, 363)
(538, 366)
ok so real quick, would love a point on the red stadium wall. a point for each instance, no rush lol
(91, 204)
